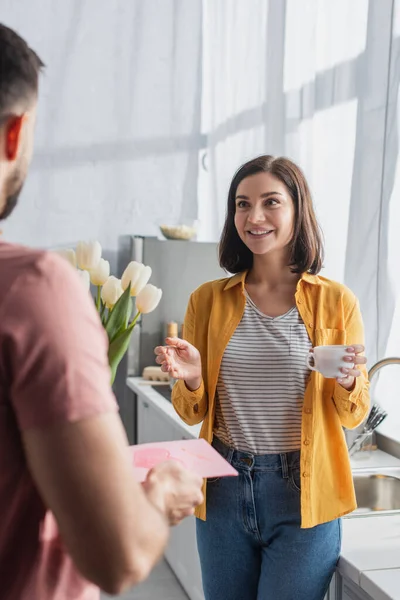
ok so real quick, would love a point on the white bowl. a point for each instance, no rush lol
(178, 230)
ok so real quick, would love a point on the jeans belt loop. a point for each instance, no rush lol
(285, 469)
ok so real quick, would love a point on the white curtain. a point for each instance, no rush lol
(118, 131)
(147, 108)
(388, 292)
(308, 80)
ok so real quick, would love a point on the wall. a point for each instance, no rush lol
(118, 129)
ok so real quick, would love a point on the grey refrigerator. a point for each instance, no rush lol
(178, 268)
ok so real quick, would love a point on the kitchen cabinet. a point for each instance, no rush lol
(155, 426)
(332, 593)
(152, 424)
(347, 590)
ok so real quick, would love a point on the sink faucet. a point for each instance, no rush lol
(382, 363)
(376, 414)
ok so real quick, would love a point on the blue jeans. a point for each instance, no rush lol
(251, 546)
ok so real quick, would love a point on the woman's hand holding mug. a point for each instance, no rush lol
(181, 360)
(339, 362)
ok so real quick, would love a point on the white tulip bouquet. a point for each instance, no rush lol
(114, 296)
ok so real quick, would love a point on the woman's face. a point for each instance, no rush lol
(264, 215)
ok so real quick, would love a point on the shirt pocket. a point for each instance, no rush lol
(330, 337)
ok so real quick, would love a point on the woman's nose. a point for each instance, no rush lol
(256, 215)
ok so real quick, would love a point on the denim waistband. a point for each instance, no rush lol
(258, 462)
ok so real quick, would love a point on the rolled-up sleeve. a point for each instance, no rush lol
(352, 406)
(191, 406)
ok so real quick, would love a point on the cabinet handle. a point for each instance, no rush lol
(184, 437)
(145, 405)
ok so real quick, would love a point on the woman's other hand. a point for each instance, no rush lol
(349, 375)
(181, 360)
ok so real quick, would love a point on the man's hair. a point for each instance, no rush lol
(19, 72)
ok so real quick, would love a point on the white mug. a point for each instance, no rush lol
(328, 360)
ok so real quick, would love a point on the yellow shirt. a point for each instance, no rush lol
(331, 314)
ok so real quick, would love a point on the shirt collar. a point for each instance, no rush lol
(241, 277)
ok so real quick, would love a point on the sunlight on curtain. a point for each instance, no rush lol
(118, 119)
(386, 390)
(229, 154)
(396, 19)
(321, 34)
(233, 94)
(324, 147)
(233, 58)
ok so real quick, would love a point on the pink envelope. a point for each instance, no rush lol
(196, 455)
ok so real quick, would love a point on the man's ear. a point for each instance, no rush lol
(13, 136)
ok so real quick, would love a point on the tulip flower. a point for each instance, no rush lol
(68, 254)
(101, 272)
(111, 291)
(85, 278)
(137, 275)
(88, 255)
(114, 296)
(148, 299)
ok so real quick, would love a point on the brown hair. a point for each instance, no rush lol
(306, 246)
(19, 72)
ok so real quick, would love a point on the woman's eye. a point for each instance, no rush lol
(272, 202)
(242, 204)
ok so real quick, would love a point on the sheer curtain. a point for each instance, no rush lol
(308, 80)
(235, 82)
(386, 388)
(118, 131)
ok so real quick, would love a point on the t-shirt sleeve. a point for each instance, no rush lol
(53, 348)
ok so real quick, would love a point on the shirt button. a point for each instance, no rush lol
(305, 474)
(306, 442)
(299, 301)
(310, 325)
(308, 411)
(196, 408)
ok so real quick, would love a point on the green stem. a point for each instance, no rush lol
(98, 301)
(103, 309)
(108, 316)
(132, 325)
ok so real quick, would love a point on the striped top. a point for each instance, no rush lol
(262, 382)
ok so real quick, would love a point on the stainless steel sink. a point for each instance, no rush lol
(377, 491)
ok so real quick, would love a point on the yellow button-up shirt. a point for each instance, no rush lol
(331, 314)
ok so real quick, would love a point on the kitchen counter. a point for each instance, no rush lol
(370, 545)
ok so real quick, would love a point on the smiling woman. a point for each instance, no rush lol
(269, 202)
(242, 370)
(264, 219)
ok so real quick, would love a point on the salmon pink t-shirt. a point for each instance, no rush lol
(53, 370)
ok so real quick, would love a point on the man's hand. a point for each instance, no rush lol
(174, 490)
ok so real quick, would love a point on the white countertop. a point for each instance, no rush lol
(374, 460)
(370, 544)
(383, 584)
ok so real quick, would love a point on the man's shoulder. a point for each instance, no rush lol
(14, 255)
(29, 265)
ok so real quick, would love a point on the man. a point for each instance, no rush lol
(62, 445)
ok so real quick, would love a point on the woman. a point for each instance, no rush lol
(274, 531)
